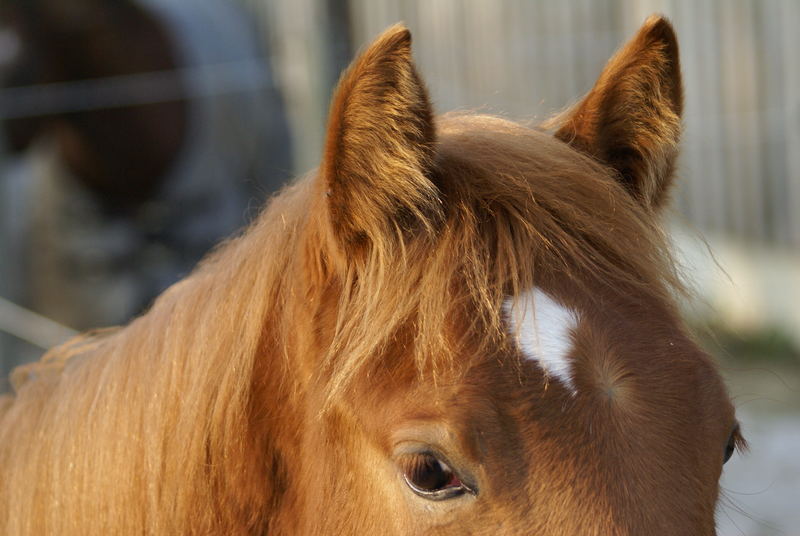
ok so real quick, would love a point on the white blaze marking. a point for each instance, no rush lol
(543, 328)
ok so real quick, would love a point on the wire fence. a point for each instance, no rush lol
(135, 89)
(31, 327)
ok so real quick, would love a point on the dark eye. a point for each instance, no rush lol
(733, 441)
(431, 478)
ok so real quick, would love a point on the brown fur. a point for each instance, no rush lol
(269, 391)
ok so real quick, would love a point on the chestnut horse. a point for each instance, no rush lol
(457, 325)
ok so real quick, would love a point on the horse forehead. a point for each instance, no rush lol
(623, 352)
(543, 328)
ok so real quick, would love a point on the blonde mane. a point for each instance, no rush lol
(159, 425)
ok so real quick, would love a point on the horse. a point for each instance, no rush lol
(122, 165)
(455, 325)
(118, 113)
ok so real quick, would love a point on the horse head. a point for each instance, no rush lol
(456, 325)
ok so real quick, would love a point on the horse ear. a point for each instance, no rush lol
(380, 145)
(631, 119)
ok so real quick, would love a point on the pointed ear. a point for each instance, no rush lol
(631, 119)
(380, 145)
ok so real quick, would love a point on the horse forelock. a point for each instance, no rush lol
(520, 208)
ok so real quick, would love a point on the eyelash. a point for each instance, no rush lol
(431, 477)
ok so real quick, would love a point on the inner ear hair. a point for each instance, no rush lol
(631, 118)
(380, 145)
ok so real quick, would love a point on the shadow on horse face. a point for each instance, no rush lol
(461, 325)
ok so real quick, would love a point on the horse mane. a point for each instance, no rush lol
(158, 409)
(153, 424)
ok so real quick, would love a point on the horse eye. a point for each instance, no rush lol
(733, 440)
(431, 478)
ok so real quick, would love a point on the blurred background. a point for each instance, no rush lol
(137, 134)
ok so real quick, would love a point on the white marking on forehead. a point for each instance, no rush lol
(543, 328)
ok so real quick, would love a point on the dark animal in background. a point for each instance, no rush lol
(119, 187)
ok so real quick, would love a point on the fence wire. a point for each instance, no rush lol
(135, 89)
(32, 327)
